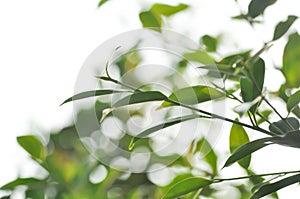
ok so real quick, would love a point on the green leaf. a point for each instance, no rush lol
(150, 20)
(251, 90)
(208, 153)
(21, 181)
(283, 26)
(266, 114)
(210, 42)
(158, 127)
(33, 146)
(194, 95)
(257, 7)
(273, 187)
(293, 101)
(167, 10)
(186, 186)
(290, 139)
(284, 126)
(238, 137)
(102, 2)
(291, 61)
(88, 94)
(199, 56)
(247, 149)
(139, 97)
(224, 69)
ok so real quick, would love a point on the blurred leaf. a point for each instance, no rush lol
(194, 95)
(270, 188)
(283, 26)
(257, 7)
(221, 69)
(102, 2)
(186, 186)
(245, 107)
(33, 146)
(210, 42)
(293, 101)
(247, 149)
(88, 94)
(291, 61)
(238, 137)
(284, 126)
(290, 139)
(284, 97)
(167, 10)
(199, 56)
(151, 20)
(265, 114)
(139, 97)
(21, 181)
(208, 153)
(166, 124)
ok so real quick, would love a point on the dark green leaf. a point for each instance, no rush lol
(223, 69)
(140, 97)
(210, 42)
(102, 2)
(284, 126)
(252, 85)
(270, 188)
(247, 149)
(199, 56)
(186, 186)
(194, 95)
(291, 61)
(94, 93)
(151, 20)
(293, 101)
(33, 146)
(238, 137)
(167, 10)
(166, 124)
(257, 7)
(283, 26)
(21, 181)
(208, 153)
(290, 139)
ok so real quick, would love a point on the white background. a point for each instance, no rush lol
(44, 43)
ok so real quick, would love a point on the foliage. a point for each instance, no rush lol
(70, 168)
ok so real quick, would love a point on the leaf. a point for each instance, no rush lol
(243, 108)
(94, 93)
(257, 7)
(186, 186)
(290, 139)
(284, 126)
(102, 2)
(251, 90)
(158, 127)
(247, 149)
(194, 95)
(293, 101)
(208, 153)
(199, 56)
(266, 114)
(150, 20)
(291, 61)
(33, 146)
(283, 26)
(21, 181)
(167, 10)
(238, 137)
(273, 187)
(221, 68)
(139, 97)
(210, 42)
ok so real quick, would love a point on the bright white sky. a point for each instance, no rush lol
(44, 43)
